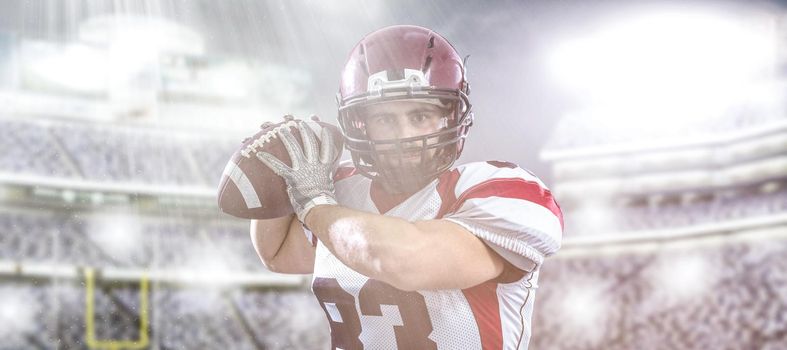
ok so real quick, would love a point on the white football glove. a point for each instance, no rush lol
(310, 179)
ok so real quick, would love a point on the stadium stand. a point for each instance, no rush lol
(733, 299)
(729, 295)
(105, 153)
(720, 208)
(699, 266)
(30, 149)
(211, 156)
(724, 293)
(54, 318)
(300, 326)
(47, 237)
(82, 241)
(114, 154)
(579, 131)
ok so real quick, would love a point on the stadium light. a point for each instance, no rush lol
(68, 195)
(230, 80)
(118, 234)
(669, 65)
(132, 52)
(146, 33)
(97, 198)
(17, 312)
(208, 267)
(684, 277)
(595, 217)
(78, 66)
(583, 309)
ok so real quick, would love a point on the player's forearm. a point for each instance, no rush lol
(267, 236)
(372, 244)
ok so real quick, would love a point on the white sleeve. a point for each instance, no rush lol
(515, 215)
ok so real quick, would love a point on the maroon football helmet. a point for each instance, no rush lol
(404, 63)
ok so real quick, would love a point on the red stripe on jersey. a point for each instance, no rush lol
(502, 164)
(486, 310)
(343, 173)
(446, 188)
(515, 188)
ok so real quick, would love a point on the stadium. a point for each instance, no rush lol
(114, 135)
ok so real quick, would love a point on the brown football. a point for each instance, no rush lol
(248, 188)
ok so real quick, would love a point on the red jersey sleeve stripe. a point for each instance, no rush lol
(446, 188)
(343, 173)
(486, 311)
(516, 188)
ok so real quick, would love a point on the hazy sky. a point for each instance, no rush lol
(515, 101)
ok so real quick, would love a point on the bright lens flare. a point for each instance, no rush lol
(79, 67)
(117, 234)
(584, 308)
(684, 277)
(595, 218)
(17, 311)
(689, 62)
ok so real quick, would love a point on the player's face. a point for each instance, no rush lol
(403, 119)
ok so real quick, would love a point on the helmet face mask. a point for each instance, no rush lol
(391, 68)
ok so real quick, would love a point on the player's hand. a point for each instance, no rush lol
(310, 179)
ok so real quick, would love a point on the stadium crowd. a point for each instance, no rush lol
(579, 131)
(48, 237)
(52, 315)
(723, 295)
(632, 218)
(139, 155)
(729, 293)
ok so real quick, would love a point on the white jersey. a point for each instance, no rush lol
(504, 205)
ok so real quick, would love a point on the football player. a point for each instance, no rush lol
(407, 252)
